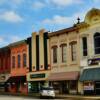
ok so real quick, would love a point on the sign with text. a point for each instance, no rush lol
(37, 75)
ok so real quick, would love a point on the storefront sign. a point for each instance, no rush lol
(94, 61)
(37, 75)
(88, 87)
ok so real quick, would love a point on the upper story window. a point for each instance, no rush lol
(54, 49)
(84, 41)
(63, 52)
(13, 61)
(0, 63)
(73, 51)
(97, 43)
(19, 60)
(24, 60)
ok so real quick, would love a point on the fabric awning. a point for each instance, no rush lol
(17, 79)
(92, 74)
(63, 76)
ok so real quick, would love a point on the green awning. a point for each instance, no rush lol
(92, 74)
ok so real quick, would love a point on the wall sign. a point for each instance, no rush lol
(37, 75)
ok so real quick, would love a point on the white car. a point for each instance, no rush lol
(47, 92)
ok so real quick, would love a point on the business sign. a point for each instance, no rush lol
(89, 87)
(37, 75)
(94, 61)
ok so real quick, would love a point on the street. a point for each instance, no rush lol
(9, 97)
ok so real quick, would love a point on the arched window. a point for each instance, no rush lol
(97, 43)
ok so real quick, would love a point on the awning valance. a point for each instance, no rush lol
(92, 74)
(63, 76)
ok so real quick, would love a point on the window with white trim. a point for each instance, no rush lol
(54, 50)
(63, 53)
(97, 43)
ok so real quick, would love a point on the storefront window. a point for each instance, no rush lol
(73, 85)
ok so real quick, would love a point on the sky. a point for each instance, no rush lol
(19, 18)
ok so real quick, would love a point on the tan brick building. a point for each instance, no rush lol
(71, 51)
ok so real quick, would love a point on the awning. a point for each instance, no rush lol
(92, 74)
(17, 79)
(4, 78)
(64, 76)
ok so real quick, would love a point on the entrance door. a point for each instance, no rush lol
(97, 87)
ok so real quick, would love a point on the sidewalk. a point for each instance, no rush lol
(72, 97)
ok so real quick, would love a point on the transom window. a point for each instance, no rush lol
(63, 52)
(97, 43)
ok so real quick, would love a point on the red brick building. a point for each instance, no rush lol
(19, 64)
(5, 65)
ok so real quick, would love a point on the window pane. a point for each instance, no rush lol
(54, 54)
(19, 60)
(73, 51)
(84, 40)
(13, 61)
(64, 52)
(24, 60)
(97, 43)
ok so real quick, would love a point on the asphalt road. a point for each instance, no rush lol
(9, 97)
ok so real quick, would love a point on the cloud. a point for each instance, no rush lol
(1, 39)
(63, 3)
(57, 19)
(59, 22)
(63, 20)
(96, 1)
(5, 40)
(17, 2)
(10, 16)
(38, 5)
(14, 38)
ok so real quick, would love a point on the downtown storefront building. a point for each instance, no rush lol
(17, 82)
(40, 64)
(5, 66)
(90, 54)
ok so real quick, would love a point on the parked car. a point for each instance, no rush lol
(47, 92)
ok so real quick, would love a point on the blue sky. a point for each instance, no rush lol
(19, 18)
